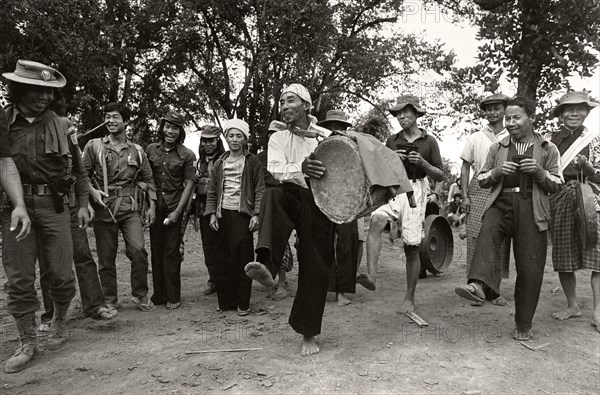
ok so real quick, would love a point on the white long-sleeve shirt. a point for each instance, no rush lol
(287, 151)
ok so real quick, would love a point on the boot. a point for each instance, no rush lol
(58, 333)
(28, 347)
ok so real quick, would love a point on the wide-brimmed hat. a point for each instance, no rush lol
(277, 126)
(335, 116)
(575, 97)
(34, 73)
(238, 124)
(407, 100)
(495, 98)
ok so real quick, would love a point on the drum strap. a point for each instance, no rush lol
(580, 143)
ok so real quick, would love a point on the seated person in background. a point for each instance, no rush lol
(456, 214)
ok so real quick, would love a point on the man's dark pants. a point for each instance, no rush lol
(166, 258)
(282, 210)
(85, 269)
(343, 271)
(130, 225)
(511, 215)
(51, 234)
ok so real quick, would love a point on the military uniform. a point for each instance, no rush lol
(124, 169)
(170, 169)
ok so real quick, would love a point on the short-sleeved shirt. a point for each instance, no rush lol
(428, 148)
(170, 168)
(4, 147)
(478, 145)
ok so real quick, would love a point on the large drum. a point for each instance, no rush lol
(344, 194)
(437, 247)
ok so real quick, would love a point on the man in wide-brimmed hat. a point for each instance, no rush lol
(580, 163)
(474, 198)
(42, 149)
(420, 154)
(173, 172)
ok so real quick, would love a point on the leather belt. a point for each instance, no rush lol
(121, 191)
(36, 189)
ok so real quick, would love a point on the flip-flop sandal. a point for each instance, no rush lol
(143, 306)
(468, 292)
(173, 306)
(103, 314)
(477, 304)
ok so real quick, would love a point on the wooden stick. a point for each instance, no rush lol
(418, 320)
(225, 350)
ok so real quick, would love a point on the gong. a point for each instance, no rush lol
(437, 247)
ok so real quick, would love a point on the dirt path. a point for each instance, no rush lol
(366, 347)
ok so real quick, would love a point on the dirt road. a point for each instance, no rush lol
(366, 347)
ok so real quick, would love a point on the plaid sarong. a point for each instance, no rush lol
(478, 197)
(288, 259)
(567, 255)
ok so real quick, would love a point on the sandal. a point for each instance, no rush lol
(475, 303)
(523, 335)
(468, 292)
(103, 314)
(143, 306)
(173, 306)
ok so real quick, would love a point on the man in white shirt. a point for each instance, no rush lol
(293, 207)
(474, 198)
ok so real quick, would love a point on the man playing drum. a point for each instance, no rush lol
(580, 162)
(293, 207)
(421, 157)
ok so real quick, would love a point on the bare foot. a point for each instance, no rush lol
(596, 319)
(407, 307)
(259, 272)
(342, 299)
(366, 281)
(567, 313)
(309, 346)
(280, 294)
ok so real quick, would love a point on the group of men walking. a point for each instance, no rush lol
(55, 190)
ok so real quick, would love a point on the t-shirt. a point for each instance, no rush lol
(477, 146)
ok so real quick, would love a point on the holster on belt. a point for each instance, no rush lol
(57, 199)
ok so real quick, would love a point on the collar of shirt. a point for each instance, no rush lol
(15, 111)
(565, 133)
(108, 144)
(178, 148)
(400, 135)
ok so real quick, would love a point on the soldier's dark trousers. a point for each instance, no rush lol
(343, 271)
(50, 237)
(511, 215)
(166, 258)
(286, 208)
(130, 225)
(85, 269)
